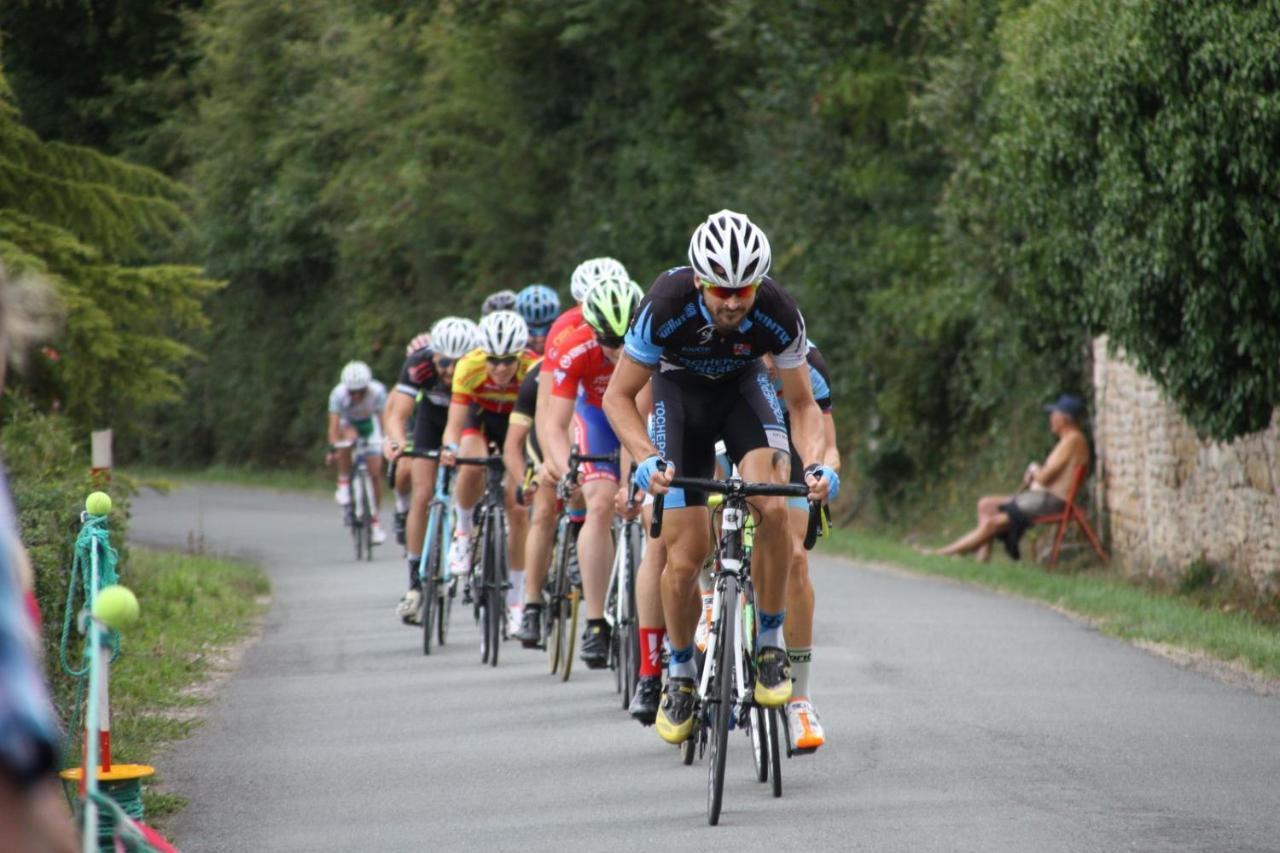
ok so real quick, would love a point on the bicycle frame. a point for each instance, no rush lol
(430, 539)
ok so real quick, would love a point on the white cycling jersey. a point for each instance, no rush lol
(351, 411)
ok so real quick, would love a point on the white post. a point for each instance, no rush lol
(91, 715)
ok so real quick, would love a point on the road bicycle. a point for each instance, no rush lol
(725, 697)
(620, 604)
(564, 582)
(489, 580)
(360, 509)
(439, 586)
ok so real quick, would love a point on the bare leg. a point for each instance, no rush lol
(978, 537)
(798, 629)
(538, 547)
(595, 544)
(684, 533)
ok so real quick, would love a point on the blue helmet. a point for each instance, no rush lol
(538, 305)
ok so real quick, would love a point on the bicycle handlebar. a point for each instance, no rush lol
(489, 461)
(739, 488)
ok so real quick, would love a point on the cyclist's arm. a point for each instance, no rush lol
(559, 417)
(453, 427)
(396, 416)
(807, 431)
(513, 449)
(620, 405)
(335, 434)
(541, 425)
(831, 458)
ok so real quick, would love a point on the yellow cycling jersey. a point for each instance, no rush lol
(472, 385)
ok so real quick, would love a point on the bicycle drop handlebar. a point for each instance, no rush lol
(734, 487)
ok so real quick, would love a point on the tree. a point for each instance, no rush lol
(88, 221)
(1141, 138)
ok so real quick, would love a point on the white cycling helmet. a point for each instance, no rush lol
(589, 272)
(503, 333)
(729, 250)
(356, 376)
(454, 337)
(502, 300)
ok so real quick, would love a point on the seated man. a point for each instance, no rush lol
(1044, 487)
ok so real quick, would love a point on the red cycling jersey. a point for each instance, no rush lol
(581, 362)
(564, 324)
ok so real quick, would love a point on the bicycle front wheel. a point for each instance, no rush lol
(495, 584)
(723, 693)
(775, 717)
(557, 614)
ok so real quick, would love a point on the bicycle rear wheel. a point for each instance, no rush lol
(572, 604)
(444, 598)
(631, 623)
(723, 690)
(366, 521)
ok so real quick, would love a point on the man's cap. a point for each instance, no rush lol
(1067, 404)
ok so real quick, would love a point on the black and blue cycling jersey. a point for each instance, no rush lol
(673, 331)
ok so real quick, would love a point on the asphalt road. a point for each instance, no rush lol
(956, 719)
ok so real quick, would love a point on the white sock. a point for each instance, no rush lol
(515, 595)
(402, 502)
(800, 659)
(466, 521)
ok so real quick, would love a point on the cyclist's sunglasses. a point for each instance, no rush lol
(445, 363)
(610, 341)
(719, 292)
(502, 359)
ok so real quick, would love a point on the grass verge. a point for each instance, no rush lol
(286, 480)
(1118, 607)
(193, 609)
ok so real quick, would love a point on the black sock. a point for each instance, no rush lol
(414, 583)
(593, 624)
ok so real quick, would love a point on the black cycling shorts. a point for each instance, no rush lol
(491, 425)
(428, 426)
(690, 415)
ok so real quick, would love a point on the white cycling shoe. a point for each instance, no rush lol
(460, 556)
(342, 495)
(803, 725)
(376, 534)
(410, 607)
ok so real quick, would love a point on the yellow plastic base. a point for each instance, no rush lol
(117, 773)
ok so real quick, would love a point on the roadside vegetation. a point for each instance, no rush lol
(194, 611)
(1195, 616)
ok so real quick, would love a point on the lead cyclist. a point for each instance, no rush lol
(706, 326)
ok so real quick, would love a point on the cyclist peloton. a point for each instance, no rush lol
(355, 411)
(485, 383)
(699, 336)
(586, 361)
(423, 391)
(539, 305)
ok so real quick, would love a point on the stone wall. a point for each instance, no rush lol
(1172, 498)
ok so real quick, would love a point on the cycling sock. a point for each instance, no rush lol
(770, 629)
(800, 659)
(466, 521)
(651, 651)
(533, 605)
(515, 595)
(681, 664)
(402, 503)
(601, 623)
(413, 561)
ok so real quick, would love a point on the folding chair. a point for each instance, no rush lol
(1071, 513)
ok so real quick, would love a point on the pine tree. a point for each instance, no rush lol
(95, 225)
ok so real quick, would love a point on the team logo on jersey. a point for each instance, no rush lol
(742, 349)
(559, 376)
(705, 333)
